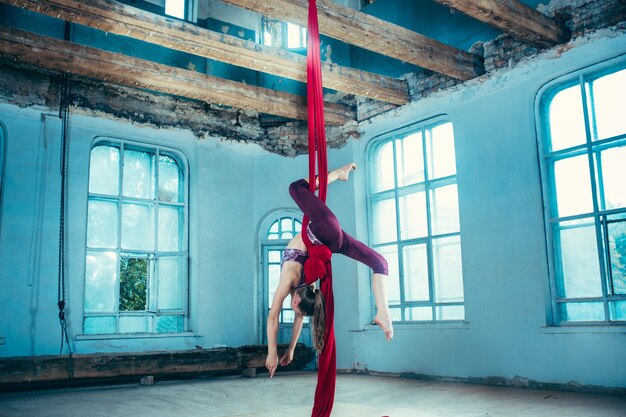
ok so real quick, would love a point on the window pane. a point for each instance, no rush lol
(169, 324)
(273, 232)
(293, 36)
(383, 168)
(415, 262)
(175, 8)
(274, 256)
(272, 33)
(573, 186)
(133, 284)
(391, 255)
(410, 157)
(170, 288)
(102, 224)
(617, 250)
(169, 180)
(99, 325)
(567, 123)
(413, 217)
(581, 311)
(396, 314)
(288, 316)
(384, 221)
(170, 225)
(450, 312)
(100, 281)
(440, 151)
(613, 175)
(579, 260)
(286, 227)
(286, 224)
(444, 209)
(273, 277)
(133, 324)
(104, 170)
(418, 313)
(608, 99)
(448, 278)
(617, 310)
(137, 227)
(138, 174)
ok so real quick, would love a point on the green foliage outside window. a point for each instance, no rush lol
(133, 284)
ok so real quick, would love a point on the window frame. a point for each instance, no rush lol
(598, 216)
(285, 34)
(189, 14)
(425, 185)
(183, 254)
(3, 136)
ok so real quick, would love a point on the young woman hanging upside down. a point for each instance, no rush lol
(324, 229)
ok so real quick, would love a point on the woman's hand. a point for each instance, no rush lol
(271, 363)
(287, 357)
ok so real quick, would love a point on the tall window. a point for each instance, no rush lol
(415, 222)
(273, 242)
(584, 160)
(136, 257)
(283, 34)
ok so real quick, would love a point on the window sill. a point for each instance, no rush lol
(583, 329)
(399, 327)
(81, 337)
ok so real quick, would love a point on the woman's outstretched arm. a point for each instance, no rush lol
(295, 335)
(272, 325)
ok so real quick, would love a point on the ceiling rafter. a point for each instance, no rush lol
(514, 18)
(114, 17)
(374, 34)
(64, 56)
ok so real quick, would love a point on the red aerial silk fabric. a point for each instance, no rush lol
(318, 264)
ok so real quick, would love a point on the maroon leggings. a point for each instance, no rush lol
(326, 228)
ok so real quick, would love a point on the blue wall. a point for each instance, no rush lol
(233, 187)
(504, 251)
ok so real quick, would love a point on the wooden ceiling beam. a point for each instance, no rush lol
(64, 56)
(514, 18)
(369, 32)
(114, 17)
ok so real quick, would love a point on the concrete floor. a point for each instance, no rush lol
(291, 394)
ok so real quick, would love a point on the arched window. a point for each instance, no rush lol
(276, 232)
(136, 254)
(583, 154)
(415, 221)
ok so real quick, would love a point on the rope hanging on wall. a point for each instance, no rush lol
(318, 264)
(64, 116)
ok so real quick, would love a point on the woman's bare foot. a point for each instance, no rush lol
(343, 173)
(383, 319)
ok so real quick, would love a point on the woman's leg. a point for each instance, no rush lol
(383, 317)
(359, 251)
(324, 223)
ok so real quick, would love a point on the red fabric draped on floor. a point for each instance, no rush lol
(319, 256)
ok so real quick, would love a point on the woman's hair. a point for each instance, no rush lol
(312, 304)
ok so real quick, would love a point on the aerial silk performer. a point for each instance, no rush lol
(307, 257)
